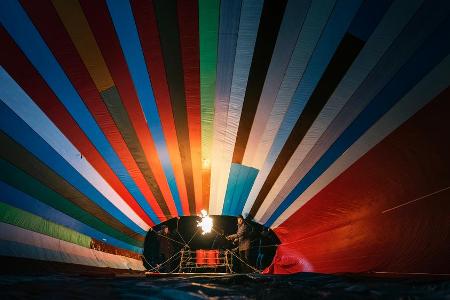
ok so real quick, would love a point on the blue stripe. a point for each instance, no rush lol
(315, 22)
(247, 187)
(242, 178)
(240, 182)
(332, 35)
(17, 129)
(429, 55)
(123, 21)
(21, 29)
(25, 202)
(231, 186)
(230, 12)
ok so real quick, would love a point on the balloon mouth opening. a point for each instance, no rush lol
(206, 232)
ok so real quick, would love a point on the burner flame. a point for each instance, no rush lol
(206, 223)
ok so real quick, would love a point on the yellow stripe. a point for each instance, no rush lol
(75, 22)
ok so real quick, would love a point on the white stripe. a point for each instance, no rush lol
(19, 102)
(19, 242)
(295, 15)
(379, 42)
(309, 36)
(223, 152)
(428, 88)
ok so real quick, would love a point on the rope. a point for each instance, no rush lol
(169, 259)
(177, 268)
(163, 263)
(186, 245)
(195, 233)
(417, 199)
(228, 265)
(152, 268)
(243, 261)
(173, 256)
(178, 232)
(166, 237)
(266, 246)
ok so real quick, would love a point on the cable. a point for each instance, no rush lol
(254, 269)
(165, 262)
(178, 232)
(195, 233)
(186, 245)
(152, 268)
(166, 237)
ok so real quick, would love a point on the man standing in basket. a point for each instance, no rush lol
(242, 238)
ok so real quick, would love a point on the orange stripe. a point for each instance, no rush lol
(149, 36)
(77, 27)
(100, 22)
(52, 30)
(190, 53)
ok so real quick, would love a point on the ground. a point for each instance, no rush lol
(299, 286)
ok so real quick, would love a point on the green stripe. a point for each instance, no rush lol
(22, 159)
(208, 26)
(26, 220)
(27, 184)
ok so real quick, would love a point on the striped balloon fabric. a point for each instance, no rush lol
(327, 121)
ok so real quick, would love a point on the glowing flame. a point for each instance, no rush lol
(206, 223)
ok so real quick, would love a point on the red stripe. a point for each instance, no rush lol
(98, 17)
(190, 53)
(344, 229)
(148, 32)
(46, 20)
(28, 78)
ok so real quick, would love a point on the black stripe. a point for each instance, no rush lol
(19, 157)
(166, 15)
(271, 17)
(343, 58)
(118, 112)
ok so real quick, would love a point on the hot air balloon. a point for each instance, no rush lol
(326, 121)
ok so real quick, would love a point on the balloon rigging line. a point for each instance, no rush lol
(166, 237)
(384, 211)
(178, 232)
(152, 268)
(420, 198)
(169, 259)
(156, 269)
(237, 256)
(417, 273)
(195, 233)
